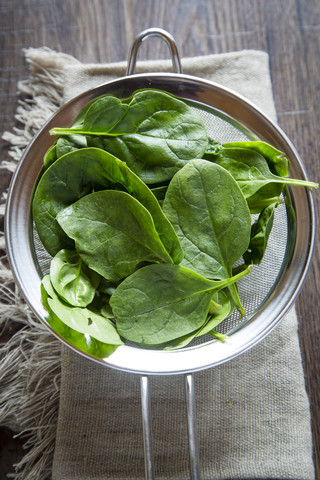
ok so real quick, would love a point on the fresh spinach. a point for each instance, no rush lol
(252, 173)
(50, 156)
(159, 303)
(77, 174)
(156, 135)
(211, 217)
(149, 222)
(260, 232)
(113, 233)
(84, 328)
(277, 161)
(72, 279)
(101, 117)
(224, 310)
(68, 144)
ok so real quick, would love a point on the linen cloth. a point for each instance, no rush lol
(253, 412)
(253, 417)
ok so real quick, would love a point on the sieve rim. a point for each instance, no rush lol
(18, 231)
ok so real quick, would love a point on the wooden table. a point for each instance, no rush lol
(102, 31)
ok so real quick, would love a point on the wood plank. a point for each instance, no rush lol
(102, 31)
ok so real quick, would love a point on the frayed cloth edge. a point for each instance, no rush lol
(30, 361)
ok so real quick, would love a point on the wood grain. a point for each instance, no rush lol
(102, 31)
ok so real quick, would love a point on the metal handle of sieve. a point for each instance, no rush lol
(154, 32)
(192, 428)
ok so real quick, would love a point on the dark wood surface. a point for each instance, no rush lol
(102, 31)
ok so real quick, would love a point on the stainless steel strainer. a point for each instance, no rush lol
(267, 293)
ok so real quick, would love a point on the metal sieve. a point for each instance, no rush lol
(267, 293)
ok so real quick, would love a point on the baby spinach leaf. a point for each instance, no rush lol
(69, 144)
(159, 303)
(80, 172)
(213, 149)
(266, 196)
(211, 217)
(251, 171)
(104, 114)
(72, 279)
(81, 341)
(101, 116)
(114, 234)
(213, 320)
(106, 287)
(277, 160)
(260, 232)
(50, 156)
(157, 134)
(149, 172)
(81, 320)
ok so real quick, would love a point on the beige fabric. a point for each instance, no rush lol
(253, 418)
(245, 72)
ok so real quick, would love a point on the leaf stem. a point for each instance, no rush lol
(80, 131)
(214, 307)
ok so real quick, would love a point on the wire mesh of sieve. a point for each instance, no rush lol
(258, 286)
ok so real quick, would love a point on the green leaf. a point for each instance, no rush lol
(159, 303)
(100, 117)
(72, 279)
(213, 148)
(79, 320)
(114, 234)
(69, 144)
(77, 174)
(160, 192)
(156, 136)
(50, 156)
(104, 114)
(252, 173)
(277, 161)
(213, 320)
(211, 217)
(260, 232)
(265, 197)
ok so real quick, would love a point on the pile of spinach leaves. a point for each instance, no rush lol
(146, 217)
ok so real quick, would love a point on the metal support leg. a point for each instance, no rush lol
(147, 427)
(192, 429)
